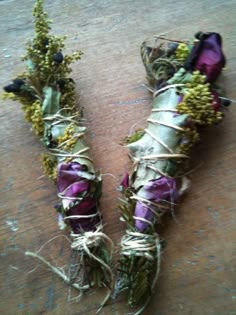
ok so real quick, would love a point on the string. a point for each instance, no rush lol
(165, 88)
(165, 124)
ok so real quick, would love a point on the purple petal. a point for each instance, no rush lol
(87, 207)
(158, 190)
(163, 188)
(125, 181)
(67, 174)
(216, 101)
(74, 190)
(144, 212)
(207, 56)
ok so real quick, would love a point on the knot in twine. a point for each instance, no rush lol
(87, 240)
(140, 244)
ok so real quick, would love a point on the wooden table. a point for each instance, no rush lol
(199, 261)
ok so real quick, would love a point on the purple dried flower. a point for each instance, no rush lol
(67, 174)
(125, 181)
(75, 194)
(87, 206)
(158, 190)
(207, 56)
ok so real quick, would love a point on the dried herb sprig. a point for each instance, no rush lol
(48, 99)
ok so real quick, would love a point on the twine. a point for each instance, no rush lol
(90, 239)
(75, 136)
(61, 153)
(57, 271)
(149, 202)
(157, 170)
(165, 110)
(165, 124)
(60, 118)
(160, 157)
(71, 217)
(167, 88)
(133, 243)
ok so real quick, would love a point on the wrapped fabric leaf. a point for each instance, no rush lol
(183, 102)
(49, 102)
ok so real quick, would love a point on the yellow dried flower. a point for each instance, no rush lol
(69, 139)
(197, 102)
(49, 165)
(182, 52)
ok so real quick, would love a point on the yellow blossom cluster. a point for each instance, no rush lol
(198, 102)
(69, 138)
(49, 166)
(182, 52)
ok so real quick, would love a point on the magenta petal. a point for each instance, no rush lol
(125, 181)
(87, 207)
(207, 56)
(70, 184)
(76, 188)
(142, 211)
(211, 59)
(216, 101)
(161, 189)
(67, 174)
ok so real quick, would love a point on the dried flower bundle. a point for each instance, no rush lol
(180, 75)
(49, 102)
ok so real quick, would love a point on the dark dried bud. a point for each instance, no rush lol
(44, 47)
(172, 46)
(45, 42)
(198, 35)
(225, 102)
(58, 57)
(19, 82)
(148, 50)
(12, 88)
(61, 83)
(84, 168)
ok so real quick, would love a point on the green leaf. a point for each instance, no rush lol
(149, 145)
(181, 76)
(51, 102)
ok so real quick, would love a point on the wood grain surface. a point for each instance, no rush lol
(198, 264)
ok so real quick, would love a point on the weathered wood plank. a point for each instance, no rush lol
(198, 266)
